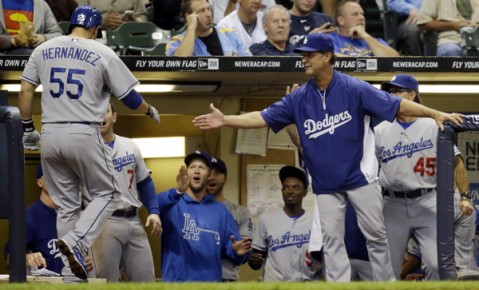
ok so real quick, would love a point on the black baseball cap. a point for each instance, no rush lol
(198, 155)
(219, 165)
(292, 171)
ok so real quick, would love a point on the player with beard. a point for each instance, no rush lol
(241, 214)
(199, 231)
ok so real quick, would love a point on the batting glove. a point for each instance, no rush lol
(30, 135)
(153, 113)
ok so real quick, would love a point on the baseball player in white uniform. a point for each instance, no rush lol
(123, 243)
(281, 238)
(241, 214)
(406, 150)
(78, 75)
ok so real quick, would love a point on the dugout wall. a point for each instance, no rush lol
(445, 194)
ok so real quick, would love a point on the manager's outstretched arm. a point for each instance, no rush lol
(411, 109)
(216, 119)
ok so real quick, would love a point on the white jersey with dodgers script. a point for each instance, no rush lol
(78, 76)
(407, 156)
(285, 240)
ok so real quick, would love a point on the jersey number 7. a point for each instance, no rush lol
(56, 75)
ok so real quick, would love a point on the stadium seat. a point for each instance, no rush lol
(158, 50)
(64, 25)
(471, 43)
(429, 40)
(133, 37)
(390, 23)
(178, 31)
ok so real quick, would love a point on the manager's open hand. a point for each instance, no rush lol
(211, 120)
(441, 117)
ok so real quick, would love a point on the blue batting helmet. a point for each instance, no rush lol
(86, 16)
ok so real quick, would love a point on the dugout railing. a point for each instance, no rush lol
(445, 194)
(12, 191)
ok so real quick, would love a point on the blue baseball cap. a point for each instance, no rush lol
(292, 171)
(219, 164)
(402, 81)
(316, 42)
(198, 155)
(39, 171)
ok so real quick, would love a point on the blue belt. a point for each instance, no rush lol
(127, 213)
(407, 194)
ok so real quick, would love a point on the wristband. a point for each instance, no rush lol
(28, 125)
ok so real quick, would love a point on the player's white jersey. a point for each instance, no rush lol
(407, 155)
(130, 168)
(74, 89)
(285, 239)
(244, 223)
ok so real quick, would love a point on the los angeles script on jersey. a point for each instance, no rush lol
(122, 161)
(401, 149)
(71, 53)
(288, 240)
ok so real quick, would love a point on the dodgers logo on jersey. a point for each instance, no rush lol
(288, 240)
(192, 232)
(400, 149)
(123, 161)
(328, 125)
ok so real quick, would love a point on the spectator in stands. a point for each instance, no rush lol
(14, 39)
(305, 21)
(408, 36)
(276, 24)
(115, 13)
(352, 38)
(222, 8)
(62, 9)
(201, 38)
(246, 21)
(448, 17)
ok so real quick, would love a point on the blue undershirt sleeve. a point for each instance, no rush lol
(148, 195)
(133, 100)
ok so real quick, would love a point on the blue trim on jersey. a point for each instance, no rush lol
(333, 139)
(128, 91)
(133, 100)
(147, 191)
(30, 81)
(198, 237)
(405, 125)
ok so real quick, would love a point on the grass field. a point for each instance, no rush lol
(459, 285)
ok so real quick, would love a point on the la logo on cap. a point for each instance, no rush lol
(305, 40)
(394, 77)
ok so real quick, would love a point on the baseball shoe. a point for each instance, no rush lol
(75, 259)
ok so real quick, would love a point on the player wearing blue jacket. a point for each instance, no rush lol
(42, 251)
(200, 231)
(332, 112)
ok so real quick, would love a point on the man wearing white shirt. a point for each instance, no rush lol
(246, 21)
(222, 8)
